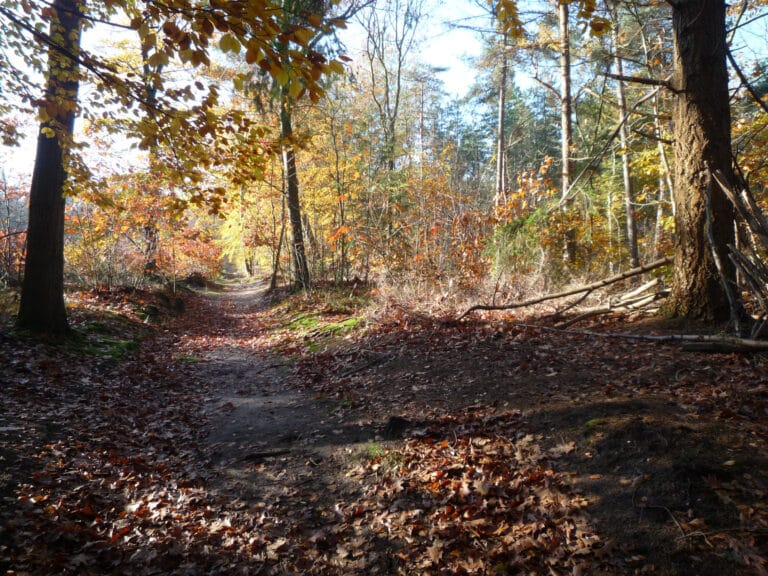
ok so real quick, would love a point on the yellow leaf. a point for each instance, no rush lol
(336, 66)
(599, 25)
(303, 36)
(158, 59)
(228, 43)
(254, 54)
(295, 89)
(280, 75)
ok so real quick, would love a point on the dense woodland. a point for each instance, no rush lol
(190, 135)
(273, 300)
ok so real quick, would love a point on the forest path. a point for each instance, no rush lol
(278, 448)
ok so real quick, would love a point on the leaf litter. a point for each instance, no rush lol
(522, 452)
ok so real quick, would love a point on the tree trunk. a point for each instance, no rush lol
(42, 307)
(566, 123)
(151, 229)
(501, 149)
(629, 206)
(279, 246)
(702, 143)
(292, 184)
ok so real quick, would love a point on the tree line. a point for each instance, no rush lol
(264, 143)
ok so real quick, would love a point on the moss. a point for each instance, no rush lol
(303, 322)
(99, 345)
(343, 327)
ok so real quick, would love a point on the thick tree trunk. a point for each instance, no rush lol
(292, 184)
(42, 307)
(702, 143)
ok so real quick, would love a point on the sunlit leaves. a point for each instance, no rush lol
(507, 14)
(228, 43)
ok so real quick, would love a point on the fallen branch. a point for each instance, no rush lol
(621, 306)
(370, 364)
(586, 288)
(716, 343)
(734, 305)
(639, 290)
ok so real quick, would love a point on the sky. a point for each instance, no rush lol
(444, 44)
(448, 45)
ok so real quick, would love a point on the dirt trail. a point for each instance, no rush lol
(266, 440)
(661, 446)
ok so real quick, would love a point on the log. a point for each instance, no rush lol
(586, 288)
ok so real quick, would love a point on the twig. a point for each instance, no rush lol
(645, 506)
(745, 81)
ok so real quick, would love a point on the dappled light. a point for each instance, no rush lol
(388, 287)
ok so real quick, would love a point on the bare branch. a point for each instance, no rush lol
(586, 288)
(641, 80)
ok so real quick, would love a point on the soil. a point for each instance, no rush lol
(267, 440)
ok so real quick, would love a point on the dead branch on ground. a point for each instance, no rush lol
(690, 342)
(622, 305)
(588, 288)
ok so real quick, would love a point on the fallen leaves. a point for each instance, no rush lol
(476, 495)
(104, 471)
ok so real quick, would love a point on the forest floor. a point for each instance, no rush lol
(228, 433)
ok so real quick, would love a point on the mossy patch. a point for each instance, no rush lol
(305, 322)
(95, 344)
(344, 326)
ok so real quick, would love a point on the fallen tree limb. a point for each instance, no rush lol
(639, 290)
(586, 288)
(621, 306)
(716, 343)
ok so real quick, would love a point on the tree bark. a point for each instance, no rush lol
(301, 272)
(702, 144)
(42, 308)
(566, 124)
(501, 149)
(629, 196)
